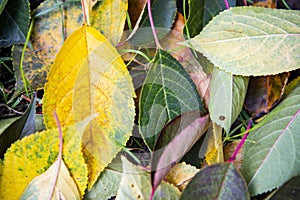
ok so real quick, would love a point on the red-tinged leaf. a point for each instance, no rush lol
(174, 141)
(219, 181)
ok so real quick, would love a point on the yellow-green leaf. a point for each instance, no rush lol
(89, 77)
(34, 154)
(108, 16)
(41, 186)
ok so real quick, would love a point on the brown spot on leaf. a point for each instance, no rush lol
(222, 118)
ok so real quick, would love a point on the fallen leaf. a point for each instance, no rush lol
(34, 154)
(135, 185)
(230, 44)
(89, 77)
(264, 92)
(227, 94)
(174, 141)
(181, 174)
(219, 181)
(168, 92)
(272, 155)
(40, 187)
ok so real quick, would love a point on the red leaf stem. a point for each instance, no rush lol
(152, 25)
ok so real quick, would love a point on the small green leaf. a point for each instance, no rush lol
(219, 181)
(227, 94)
(201, 12)
(40, 187)
(135, 184)
(168, 92)
(272, 155)
(174, 141)
(290, 190)
(251, 41)
(14, 21)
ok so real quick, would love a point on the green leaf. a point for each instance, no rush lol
(2, 5)
(272, 155)
(227, 94)
(163, 14)
(290, 190)
(168, 92)
(135, 184)
(251, 41)
(201, 12)
(40, 187)
(14, 21)
(219, 181)
(16, 128)
(174, 141)
(108, 183)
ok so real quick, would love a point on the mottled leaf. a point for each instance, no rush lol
(219, 181)
(290, 190)
(272, 155)
(41, 186)
(46, 38)
(108, 16)
(247, 41)
(89, 77)
(174, 141)
(14, 21)
(201, 12)
(135, 184)
(168, 92)
(181, 174)
(227, 94)
(16, 128)
(34, 154)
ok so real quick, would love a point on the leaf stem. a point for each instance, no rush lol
(26, 86)
(233, 156)
(245, 2)
(59, 157)
(226, 4)
(158, 46)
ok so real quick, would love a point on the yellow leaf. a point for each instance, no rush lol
(89, 77)
(41, 186)
(181, 174)
(108, 16)
(214, 152)
(33, 155)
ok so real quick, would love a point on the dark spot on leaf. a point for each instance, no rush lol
(139, 196)
(222, 118)
(132, 185)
